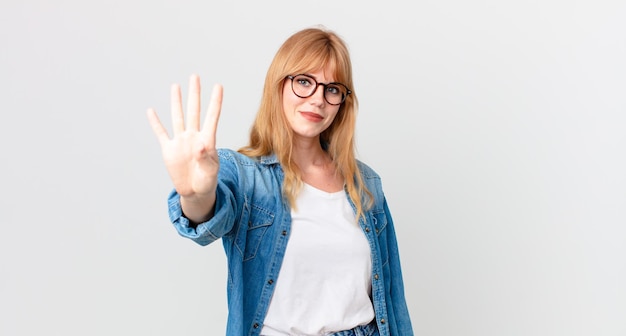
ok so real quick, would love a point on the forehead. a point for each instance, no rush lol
(322, 74)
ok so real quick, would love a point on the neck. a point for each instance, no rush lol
(310, 153)
(316, 166)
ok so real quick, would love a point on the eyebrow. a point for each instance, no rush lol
(317, 80)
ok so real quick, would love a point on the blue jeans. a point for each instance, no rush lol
(367, 330)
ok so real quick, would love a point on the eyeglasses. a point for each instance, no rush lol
(305, 86)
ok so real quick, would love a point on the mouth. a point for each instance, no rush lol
(312, 116)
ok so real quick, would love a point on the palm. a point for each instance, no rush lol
(190, 155)
(191, 164)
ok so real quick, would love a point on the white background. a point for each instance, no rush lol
(499, 128)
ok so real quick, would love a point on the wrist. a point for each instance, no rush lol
(198, 208)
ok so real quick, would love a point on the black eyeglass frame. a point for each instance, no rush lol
(324, 85)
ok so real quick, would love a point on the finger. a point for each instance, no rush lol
(193, 104)
(157, 127)
(213, 115)
(177, 110)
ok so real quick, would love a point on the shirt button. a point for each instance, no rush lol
(382, 321)
(367, 229)
(255, 326)
(375, 276)
(270, 281)
(284, 232)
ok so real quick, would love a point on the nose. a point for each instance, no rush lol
(318, 94)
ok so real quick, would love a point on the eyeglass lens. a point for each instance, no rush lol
(305, 86)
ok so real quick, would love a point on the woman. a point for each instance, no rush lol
(309, 239)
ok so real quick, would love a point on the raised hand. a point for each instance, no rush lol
(190, 155)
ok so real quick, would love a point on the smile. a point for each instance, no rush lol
(312, 116)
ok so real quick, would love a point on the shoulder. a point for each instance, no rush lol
(366, 171)
(234, 165)
(229, 155)
(372, 181)
(232, 159)
(237, 166)
(225, 154)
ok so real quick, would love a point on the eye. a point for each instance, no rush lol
(333, 89)
(303, 81)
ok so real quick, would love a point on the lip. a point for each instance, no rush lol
(310, 116)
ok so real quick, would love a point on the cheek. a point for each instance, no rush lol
(288, 98)
(332, 114)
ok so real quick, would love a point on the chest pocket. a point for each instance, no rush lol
(254, 223)
(379, 219)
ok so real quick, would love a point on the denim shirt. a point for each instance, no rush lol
(254, 221)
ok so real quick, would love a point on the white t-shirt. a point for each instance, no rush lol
(324, 283)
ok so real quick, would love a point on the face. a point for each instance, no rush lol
(309, 117)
